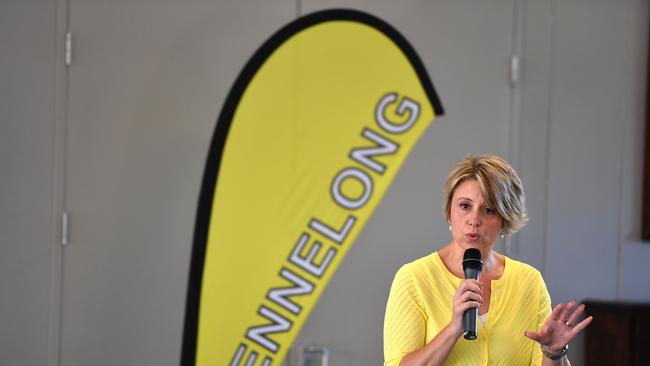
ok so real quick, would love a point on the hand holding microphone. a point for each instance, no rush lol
(472, 264)
(467, 298)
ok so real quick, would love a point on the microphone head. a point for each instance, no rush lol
(472, 259)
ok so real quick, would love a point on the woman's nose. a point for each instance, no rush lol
(474, 219)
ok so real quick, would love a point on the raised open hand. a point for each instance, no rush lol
(560, 327)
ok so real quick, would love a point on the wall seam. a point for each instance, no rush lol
(621, 159)
(514, 130)
(549, 125)
(59, 136)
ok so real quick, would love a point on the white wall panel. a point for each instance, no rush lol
(146, 86)
(538, 34)
(584, 150)
(27, 193)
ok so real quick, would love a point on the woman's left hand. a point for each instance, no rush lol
(560, 327)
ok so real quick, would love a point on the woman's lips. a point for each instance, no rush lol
(472, 236)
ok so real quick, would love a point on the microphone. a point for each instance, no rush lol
(472, 264)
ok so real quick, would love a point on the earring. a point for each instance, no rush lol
(449, 222)
(502, 235)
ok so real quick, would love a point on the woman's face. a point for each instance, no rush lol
(473, 224)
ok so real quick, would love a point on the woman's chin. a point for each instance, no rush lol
(476, 244)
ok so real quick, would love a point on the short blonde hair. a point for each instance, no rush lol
(500, 184)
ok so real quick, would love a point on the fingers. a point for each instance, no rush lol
(470, 299)
(470, 285)
(582, 325)
(533, 335)
(468, 295)
(572, 318)
(566, 311)
(557, 311)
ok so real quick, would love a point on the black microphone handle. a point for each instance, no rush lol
(470, 327)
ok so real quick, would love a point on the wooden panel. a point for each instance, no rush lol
(618, 335)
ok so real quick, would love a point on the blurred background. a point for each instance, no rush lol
(115, 143)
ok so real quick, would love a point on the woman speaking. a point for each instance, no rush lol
(484, 200)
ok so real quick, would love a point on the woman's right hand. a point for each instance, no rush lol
(467, 296)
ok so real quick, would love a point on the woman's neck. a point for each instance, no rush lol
(452, 257)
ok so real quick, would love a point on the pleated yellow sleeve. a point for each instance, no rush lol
(419, 306)
(404, 324)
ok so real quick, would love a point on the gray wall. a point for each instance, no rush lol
(28, 188)
(118, 140)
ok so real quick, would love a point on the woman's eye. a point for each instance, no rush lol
(464, 206)
(489, 211)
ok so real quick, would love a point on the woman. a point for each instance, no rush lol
(484, 200)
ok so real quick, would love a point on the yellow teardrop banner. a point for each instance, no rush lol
(309, 139)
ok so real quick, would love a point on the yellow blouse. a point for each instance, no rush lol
(419, 306)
